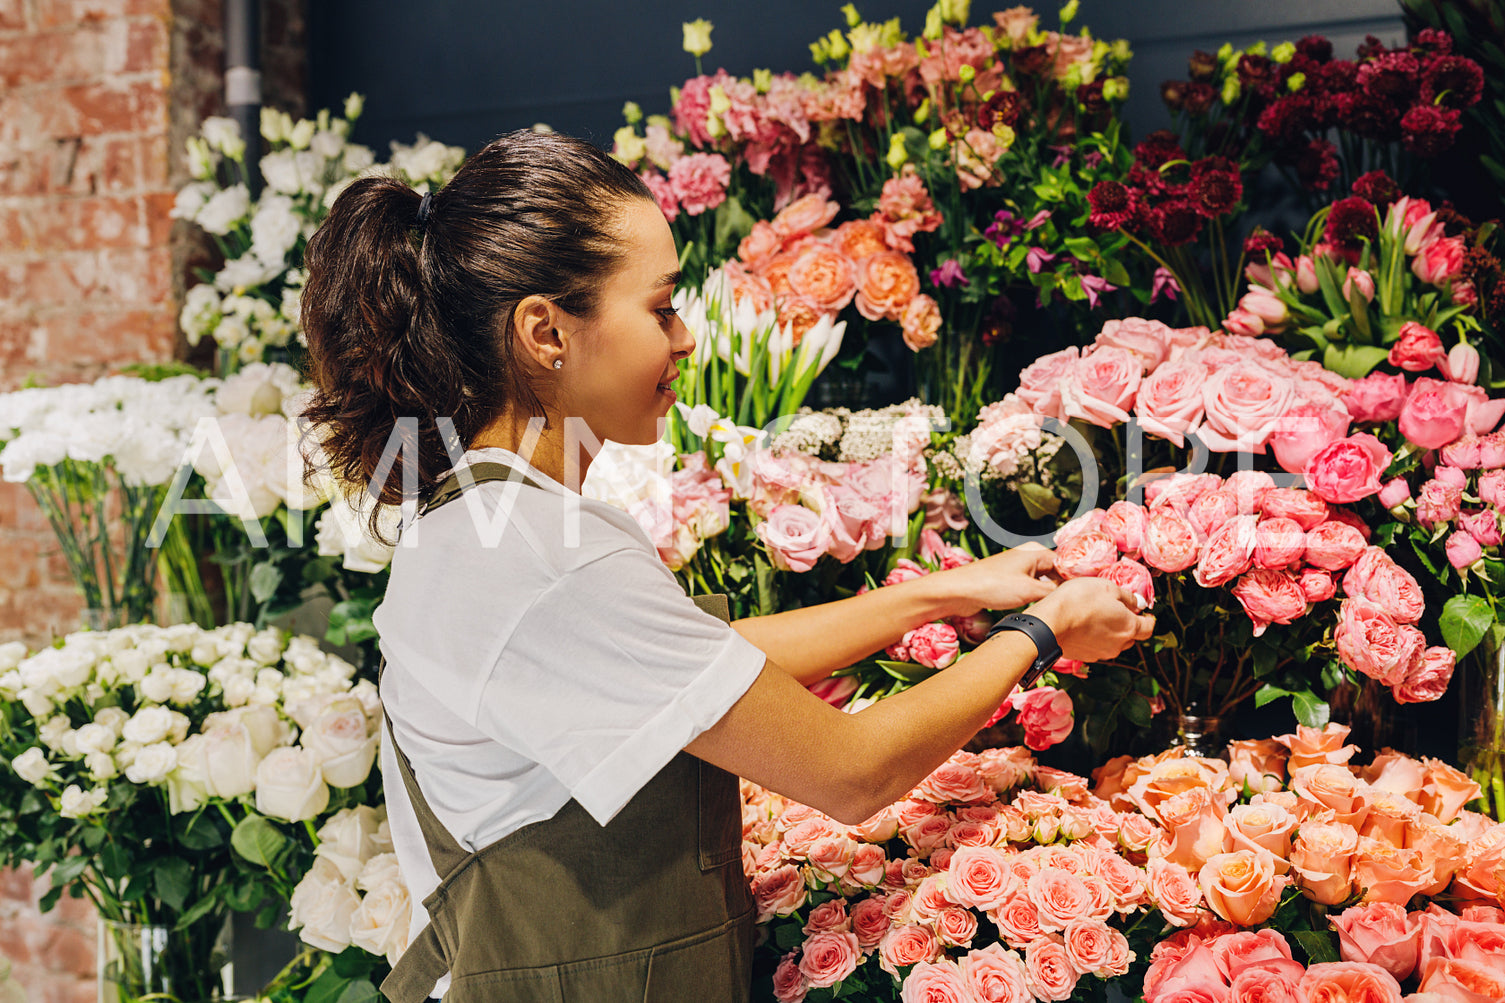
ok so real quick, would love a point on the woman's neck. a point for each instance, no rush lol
(541, 447)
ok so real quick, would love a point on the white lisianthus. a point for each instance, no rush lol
(220, 132)
(274, 229)
(357, 158)
(224, 209)
(302, 134)
(327, 143)
(53, 730)
(33, 767)
(426, 160)
(202, 160)
(322, 906)
(79, 803)
(152, 764)
(191, 198)
(289, 785)
(244, 272)
(275, 125)
(344, 531)
(11, 654)
(101, 766)
(200, 313)
(354, 105)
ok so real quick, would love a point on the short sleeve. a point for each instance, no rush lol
(609, 674)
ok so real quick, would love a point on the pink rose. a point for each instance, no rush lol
(1492, 489)
(1349, 469)
(935, 982)
(1228, 553)
(1059, 897)
(829, 957)
(1369, 641)
(954, 781)
(1040, 382)
(1462, 453)
(1280, 543)
(1101, 386)
(1085, 556)
(1241, 404)
(1435, 413)
(1238, 952)
(1482, 524)
(910, 944)
(933, 645)
(1417, 349)
(699, 181)
(779, 892)
(1148, 340)
(1317, 585)
(1209, 512)
(1271, 984)
(1018, 920)
(1270, 597)
(1175, 892)
(1333, 546)
(980, 878)
(1380, 933)
(1462, 550)
(1124, 524)
(1049, 974)
(1375, 576)
(1394, 492)
(1427, 679)
(1294, 503)
(1462, 981)
(1376, 397)
(1045, 714)
(867, 863)
(1133, 576)
(869, 922)
(828, 917)
(1170, 541)
(1439, 262)
(795, 537)
(1438, 503)
(1303, 431)
(1190, 976)
(1341, 981)
(1169, 402)
(955, 927)
(995, 975)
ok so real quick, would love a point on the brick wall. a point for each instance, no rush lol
(96, 99)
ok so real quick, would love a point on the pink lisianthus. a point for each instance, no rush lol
(663, 194)
(1045, 713)
(699, 181)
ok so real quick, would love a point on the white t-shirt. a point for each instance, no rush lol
(538, 650)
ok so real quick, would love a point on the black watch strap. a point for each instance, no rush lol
(1047, 648)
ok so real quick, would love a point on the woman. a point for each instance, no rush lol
(565, 725)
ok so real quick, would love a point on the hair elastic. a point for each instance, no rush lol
(425, 207)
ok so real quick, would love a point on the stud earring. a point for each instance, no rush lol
(558, 363)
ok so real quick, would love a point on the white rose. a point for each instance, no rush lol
(32, 766)
(94, 737)
(348, 839)
(230, 761)
(254, 391)
(101, 766)
(266, 726)
(224, 209)
(149, 724)
(130, 666)
(380, 925)
(77, 802)
(379, 870)
(266, 647)
(238, 691)
(53, 730)
(156, 686)
(342, 740)
(322, 905)
(185, 785)
(10, 684)
(38, 704)
(152, 764)
(289, 785)
(11, 654)
(304, 655)
(370, 697)
(113, 718)
(186, 685)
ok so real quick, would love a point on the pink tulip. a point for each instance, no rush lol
(1361, 279)
(1461, 364)
(1306, 275)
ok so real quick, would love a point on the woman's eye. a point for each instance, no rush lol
(666, 313)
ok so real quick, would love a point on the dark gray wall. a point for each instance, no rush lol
(464, 71)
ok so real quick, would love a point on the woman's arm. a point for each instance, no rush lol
(850, 766)
(813, 642)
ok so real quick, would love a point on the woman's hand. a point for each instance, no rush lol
(1009, 580)
(1093, 619)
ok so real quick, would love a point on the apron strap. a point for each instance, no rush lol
(417, 971)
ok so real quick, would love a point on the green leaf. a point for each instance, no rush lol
(200, 833)
(1464, 621)
(732, 222)
(1353, 361)
(1038, 501)
(1137, 709)
(172, 879)
(326, 988)
(909, 672)
(1114, 271)
(1320, 945)
(359, 991)
(265, 578)
(1310, 710)
(257, 840)
(1269, 694)
(114, 862)
(1264, 661)
(69, 869)
(788, 935)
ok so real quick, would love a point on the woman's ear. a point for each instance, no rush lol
(535, 323)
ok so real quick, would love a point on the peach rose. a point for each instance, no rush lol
(1089, 946)
(1464, 981)
(1242, 886)
(1269, 597)
(907, 945)
(1482, 875)
(980, 878)
(1446, 790)
(1194, 829)
(1380, 933)
(1345, 981)
(1018, 920)
(935, 982)
(778, 892)
(886, 282)
(1236, 952)
(1258, 764)
(1333, 546)
(1388, 873)
(1331, 788)
(825, 277)
(1049, 974)
(1322, 860)
(995, 975)
(1175, 893)
(804, 215)
(1059, 896)
(829, 957)
(1170, 541)
(1228, 552)
(920, 322)
(1273, 984)
(828, 917)
(1191, 975)
(1371, 642)
(869, 921)
(954, 780)
(759, 246)
(1085, 555)
(831, 857)
(1441, 846)
(1262, 827)
(1315, 746)
(955, 927)
(1388, 816)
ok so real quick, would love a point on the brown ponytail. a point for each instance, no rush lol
(415, 321)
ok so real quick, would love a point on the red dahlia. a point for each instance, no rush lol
(1112, 204)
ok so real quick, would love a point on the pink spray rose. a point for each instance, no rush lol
(1124, 523)
(1270, 597)
(1439, 502)
(1317, 585)
(796, 537)
(1427, 678)
(829, 957)
(1045, 713)
(1369, 641)
(1462, 550)
(1170, 541)
(1305, 430)
(1135, 577)
(1333, 546)
(1395, 491)
(1101, 386)
(1483, 524)
(1376, 397)
(1349, 469)
(1086, 555)
(1228, 553)
(1280, 543)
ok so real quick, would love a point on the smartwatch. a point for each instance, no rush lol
(1049, 650)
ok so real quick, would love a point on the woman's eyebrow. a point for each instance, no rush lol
(669, 279)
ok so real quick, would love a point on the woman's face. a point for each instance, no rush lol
(618, 363)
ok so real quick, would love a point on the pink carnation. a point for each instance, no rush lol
(699, 181)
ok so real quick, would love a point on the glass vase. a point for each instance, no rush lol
(1481, 731)
(157, 962)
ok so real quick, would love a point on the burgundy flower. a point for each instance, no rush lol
(1434, 41)
(1089, 97)
(1315, 47)
(1350, 222)
(1429, 130)
(1368, 116)
(948, 275)
(1032, 60)
(1317, 165)
(1261, 243)
(1004, 228)
(1000, 109)
(1394, 77)
(1372, 48)
(1377, 187)
(999, 322)
(1157, 148)
(1174, 224)
(1173, 93)
(1202, 66)
(1216, 186)
(1199, 98)
(1287, 118)
(1112, 204)
(1453, 82)
(1257, 72)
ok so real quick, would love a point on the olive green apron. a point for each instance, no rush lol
(651, 907)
